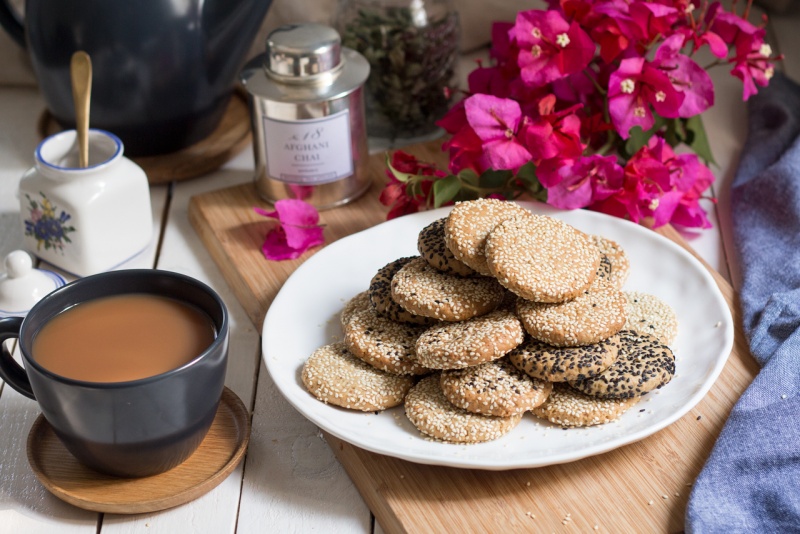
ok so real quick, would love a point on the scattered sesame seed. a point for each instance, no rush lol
(784, 396)
(699, 417)
(665, 496)
(718, 324)
(527, 483)
(650, 502)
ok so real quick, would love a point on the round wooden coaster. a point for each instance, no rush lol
(218, 455)
(230, 137)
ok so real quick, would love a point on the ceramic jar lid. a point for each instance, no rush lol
(22, 286)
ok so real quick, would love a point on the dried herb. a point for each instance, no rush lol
(411, 68)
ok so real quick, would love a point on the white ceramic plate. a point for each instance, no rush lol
(305, 316)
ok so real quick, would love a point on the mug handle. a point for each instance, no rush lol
(10, 371)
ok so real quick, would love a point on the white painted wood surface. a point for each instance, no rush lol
(290, 481)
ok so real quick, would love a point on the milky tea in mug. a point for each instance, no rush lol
(122, 337)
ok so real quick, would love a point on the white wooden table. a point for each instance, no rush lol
(290, 480)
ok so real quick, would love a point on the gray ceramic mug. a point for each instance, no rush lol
(135, 428)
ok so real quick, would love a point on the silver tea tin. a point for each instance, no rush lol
(307, 113)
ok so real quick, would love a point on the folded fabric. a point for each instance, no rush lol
(751, 481)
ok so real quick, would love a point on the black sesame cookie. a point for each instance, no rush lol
(421, 289)
(591, 317)
(359, 302)
(648, 314)
(432, 247)
(380, 295)
(494, 388)
(335, 376)
(541, 259)
(644, 364)
(382, 343)
(570, 408)
(429, 410)
(469, 223)
(618, 265)
(561, 364)
(471, 342)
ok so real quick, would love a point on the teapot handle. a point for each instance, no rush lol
(12, 22)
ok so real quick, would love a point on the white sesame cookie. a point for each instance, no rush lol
(359, 302)
(432, 247)
(644, 364)
(471, 342)
(335, 376)
(494, 388)
(618, 265)
(470, 222)
(591, 317)
(648, 314)
(429, 410)
(380, 295)
(570, 408)
(541, 259)
(421, 289)
(560, 364)
(382, 343)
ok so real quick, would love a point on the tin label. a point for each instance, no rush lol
(308, 152)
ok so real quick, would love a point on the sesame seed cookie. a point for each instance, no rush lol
(588, 318)
(468, 225)
(570, 408)
(359, 302)
(432, 247)
(429, 410)
(541, 259)
(335, 376)
(382, 343)
(421, 289)
(643, 364)
(494, 388)
(561, 364)
(471, 342)
(647, 314)
(618, 265)
(380, 295)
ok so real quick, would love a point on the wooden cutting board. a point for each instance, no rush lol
(642, 487)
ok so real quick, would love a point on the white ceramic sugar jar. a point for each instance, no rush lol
(85, 220)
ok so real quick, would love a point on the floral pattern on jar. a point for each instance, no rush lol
(48, 229)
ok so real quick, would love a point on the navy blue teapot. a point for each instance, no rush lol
(163, 70)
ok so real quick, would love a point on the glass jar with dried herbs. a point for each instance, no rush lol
(411, 46)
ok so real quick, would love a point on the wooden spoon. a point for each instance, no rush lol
(80, 70)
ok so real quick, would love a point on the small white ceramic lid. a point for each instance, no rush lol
(22, 286)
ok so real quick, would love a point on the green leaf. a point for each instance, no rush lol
(671, 135)
(492, 179)
(469, 177)
(697, 139)
(445, 190)
(639, 138)
(527, 174)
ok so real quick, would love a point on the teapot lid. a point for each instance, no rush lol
(22, 286)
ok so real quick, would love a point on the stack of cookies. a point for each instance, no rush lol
(503, 312)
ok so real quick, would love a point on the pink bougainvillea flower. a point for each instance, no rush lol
(633, 88)
(654, 20)
(584, 182)
(612, 27)
(397, 194)
(752, 64)
(465, 147)
(686, 76)
(729, 26)
(297, 230)
(553, 133)
(550, 47)
(496, 122)
(661, 185)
